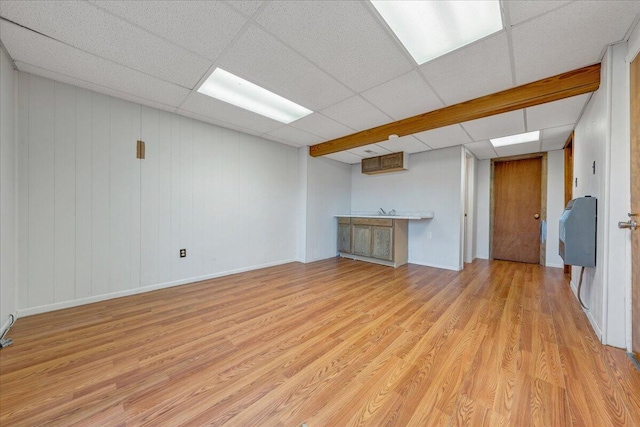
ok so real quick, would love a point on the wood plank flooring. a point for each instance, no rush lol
(332, 343)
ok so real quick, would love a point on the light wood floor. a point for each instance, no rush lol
(333, 343)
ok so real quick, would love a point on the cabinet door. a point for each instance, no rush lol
(391, 161)
(370, 164)
(362, 240)
(344, 238)
(382, 243)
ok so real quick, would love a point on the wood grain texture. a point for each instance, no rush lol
(332, 343)
(634, 79)
(517, 190)
(571, 83)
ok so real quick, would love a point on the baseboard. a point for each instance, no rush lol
(592, 321)
(555, 265)
(443, 267)
(97, 298)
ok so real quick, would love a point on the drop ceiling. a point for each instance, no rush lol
(337, 58)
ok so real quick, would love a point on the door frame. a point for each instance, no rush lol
(568, 178)
(543, 199)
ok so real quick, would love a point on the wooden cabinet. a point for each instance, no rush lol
(344, 237)
(383, 241)
(388, 163)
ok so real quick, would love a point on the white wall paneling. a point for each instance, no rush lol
(8, 168)
(602, 137)
(432, 183)
(97, 222)
(328, 194)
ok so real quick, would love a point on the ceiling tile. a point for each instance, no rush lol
(496, 126)
(248, 7)
(296, 136)
(357, 113)
(34, 49)
(82, 25)
(478, 69)
(320, 125)
(447, 136)
(345, 157)
(376, 150)
(521, 10)
(219, 110)
(557, 132)
(204, 27)
(341, 37)
(572, 37)
(558, 113)
(482, 150)
(553, 143)
(518, 149)
(404, 96)
(27, 68)
(407, 143)
(291, 75)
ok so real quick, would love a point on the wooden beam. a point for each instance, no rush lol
(572, 83)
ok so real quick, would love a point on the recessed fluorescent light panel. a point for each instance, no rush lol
(516, 139)
(230, 88)
(429, 29)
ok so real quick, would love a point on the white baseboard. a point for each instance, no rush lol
(553, 265)
(88, 300)
(444, 267)
(592, 321)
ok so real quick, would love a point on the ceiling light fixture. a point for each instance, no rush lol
(429, 29)
(230, 88)
(516, 139)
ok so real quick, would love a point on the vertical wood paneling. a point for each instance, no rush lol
(83, 191)
(23, 191)
(100, 192)
(163, 145)
(136, 112)
(41, 191)
(149, 208)
(65, 194)
(209, 238)
(121, 154)
(175, 196)
(186, 195)
(94, 220)
(197, 253)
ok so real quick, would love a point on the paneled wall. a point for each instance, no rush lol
(95, 222)
(7, 191)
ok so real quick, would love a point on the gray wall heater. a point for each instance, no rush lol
(578, 232)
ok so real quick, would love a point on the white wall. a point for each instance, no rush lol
(483, 198)
(432, 183)
(95, 222)
(602, 136)
(328, 194)
(7, 191)
(555, 206)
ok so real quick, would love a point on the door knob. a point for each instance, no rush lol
(628, 224)
(536, 216)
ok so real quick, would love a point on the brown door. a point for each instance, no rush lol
(517, 210)
(635, 205)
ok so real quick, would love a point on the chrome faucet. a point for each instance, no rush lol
(381, 212)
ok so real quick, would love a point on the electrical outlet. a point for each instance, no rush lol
(429, 235)
(183, 253)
